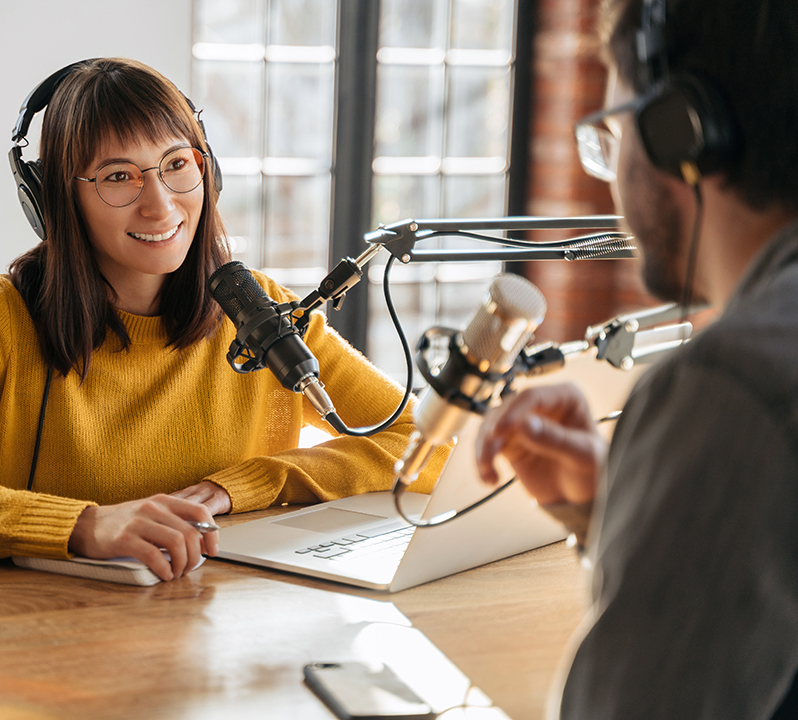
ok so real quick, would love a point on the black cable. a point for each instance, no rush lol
(692, 257)
(333, 418)
(444, 517)
(42, 411)
(511, 242)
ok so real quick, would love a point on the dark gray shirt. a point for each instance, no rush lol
(696, 554)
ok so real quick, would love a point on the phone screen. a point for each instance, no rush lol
(363, 691)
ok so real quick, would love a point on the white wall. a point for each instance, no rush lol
(38, 37)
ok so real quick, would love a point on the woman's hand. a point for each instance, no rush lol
(549, 437)
(209, 494)
(142, 528)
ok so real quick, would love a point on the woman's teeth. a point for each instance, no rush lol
(154, 238)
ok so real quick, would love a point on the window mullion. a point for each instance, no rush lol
(355, 100)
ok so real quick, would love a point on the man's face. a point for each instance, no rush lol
(652, 203)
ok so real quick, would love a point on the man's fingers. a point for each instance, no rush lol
(555, 463)
(554, 441)
(563, 403)
(549, 437)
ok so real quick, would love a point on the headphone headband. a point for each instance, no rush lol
(39, 97)
(651, 47)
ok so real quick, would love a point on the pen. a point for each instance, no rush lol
(203, 527)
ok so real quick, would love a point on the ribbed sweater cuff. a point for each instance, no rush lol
(45, 526)
(247, 486)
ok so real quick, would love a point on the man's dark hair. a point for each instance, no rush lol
(748, 49)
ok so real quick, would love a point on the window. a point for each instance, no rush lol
(444, 86)
(264, 73)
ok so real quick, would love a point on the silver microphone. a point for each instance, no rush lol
(472, 375)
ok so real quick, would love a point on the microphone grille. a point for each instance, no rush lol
(234, 287)
(504, 322)
(516, 297)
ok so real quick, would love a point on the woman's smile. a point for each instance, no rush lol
(155, 237)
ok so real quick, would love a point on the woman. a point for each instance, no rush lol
(146, 426)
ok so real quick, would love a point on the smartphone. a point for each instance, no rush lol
(365, 691)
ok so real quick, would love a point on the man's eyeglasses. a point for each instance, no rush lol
(596, 143)
(120, 183)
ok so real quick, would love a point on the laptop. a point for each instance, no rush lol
(361, 540)
(324, 540)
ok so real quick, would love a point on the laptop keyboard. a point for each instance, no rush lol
(383, 542)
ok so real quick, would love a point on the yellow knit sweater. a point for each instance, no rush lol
(153, 420)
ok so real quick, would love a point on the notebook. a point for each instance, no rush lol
(126, 570)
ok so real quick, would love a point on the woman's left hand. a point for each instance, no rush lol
(207, 493)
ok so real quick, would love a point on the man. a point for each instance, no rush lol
(692, 535)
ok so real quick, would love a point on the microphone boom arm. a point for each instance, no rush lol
(400, 238)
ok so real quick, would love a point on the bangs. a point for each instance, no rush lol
(131, 106)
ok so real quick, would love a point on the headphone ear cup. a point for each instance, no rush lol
(28, 177)
(687, 121)
(212, 161)
(215, 170)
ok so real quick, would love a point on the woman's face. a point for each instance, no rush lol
(138, 245)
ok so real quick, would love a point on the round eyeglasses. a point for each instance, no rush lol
(120, 183)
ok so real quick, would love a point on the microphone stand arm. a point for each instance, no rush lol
(624, 341)
(400, 238)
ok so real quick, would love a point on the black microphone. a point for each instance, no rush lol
(266, 335)
(475, 371)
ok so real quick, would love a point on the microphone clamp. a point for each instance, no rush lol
(457, 366)
(256, 359)
(333, 288)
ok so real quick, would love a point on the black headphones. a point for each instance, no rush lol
(28, 175)
(686, 126)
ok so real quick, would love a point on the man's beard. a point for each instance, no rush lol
(653, 216)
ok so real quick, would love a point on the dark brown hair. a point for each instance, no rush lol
(60, 279)
(749, 51)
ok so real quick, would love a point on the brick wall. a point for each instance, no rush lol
(568, 82)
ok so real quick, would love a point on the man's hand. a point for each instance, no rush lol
(141, 528)
(549, 437)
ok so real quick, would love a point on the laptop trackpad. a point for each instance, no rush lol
(328, 520)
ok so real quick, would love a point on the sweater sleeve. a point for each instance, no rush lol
(344, 465)
(37, 525)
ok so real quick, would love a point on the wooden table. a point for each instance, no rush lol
(229, 641)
